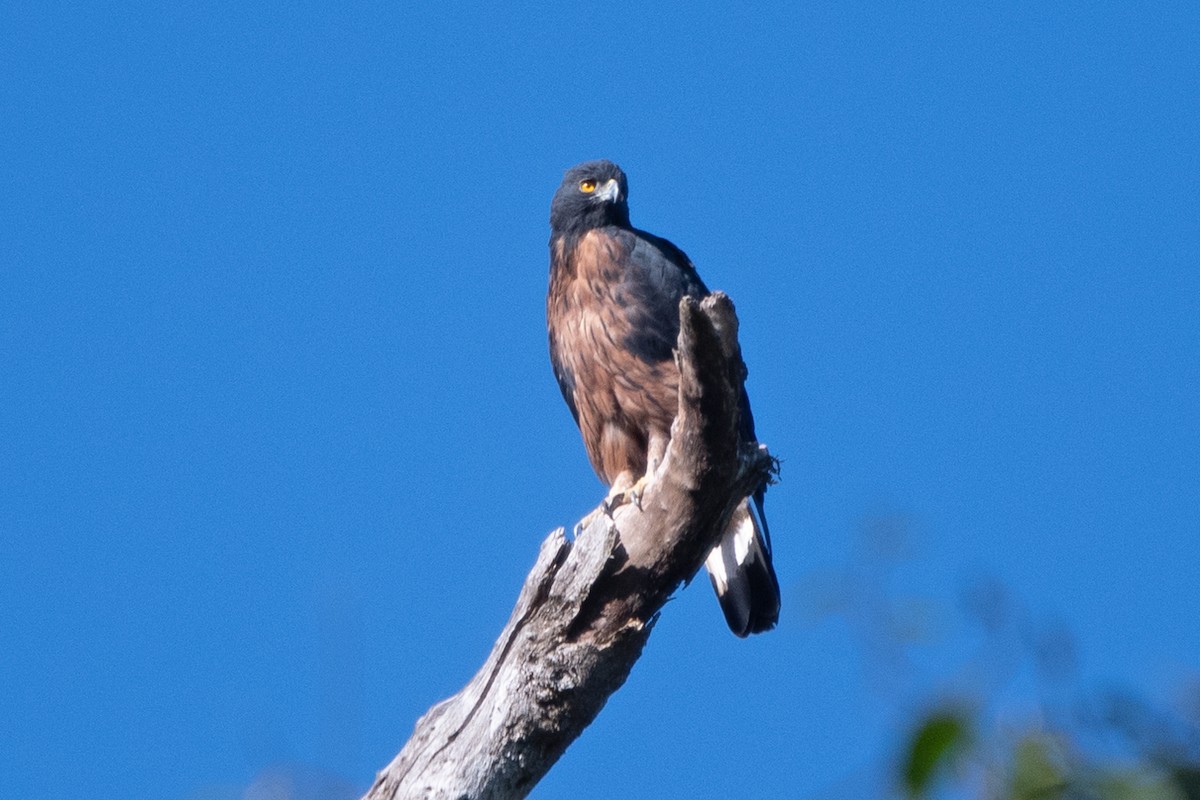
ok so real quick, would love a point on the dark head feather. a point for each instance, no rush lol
(574, 210)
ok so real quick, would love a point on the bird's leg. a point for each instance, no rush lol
(625, 489)
(618, 495)
(656, 451)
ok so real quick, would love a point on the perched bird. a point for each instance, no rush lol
(613, 318)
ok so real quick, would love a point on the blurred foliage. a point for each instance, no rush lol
(1037, 766)
(1037, 771)
(1000, 715)
(934, 748)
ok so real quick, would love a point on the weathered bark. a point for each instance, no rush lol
(587, 607)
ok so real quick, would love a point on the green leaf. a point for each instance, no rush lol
(936, 744)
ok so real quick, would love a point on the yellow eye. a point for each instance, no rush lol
(587, 187)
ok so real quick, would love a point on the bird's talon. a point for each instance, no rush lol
(631, 496)
(639, 489)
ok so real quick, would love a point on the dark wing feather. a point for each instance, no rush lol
(565, 378)
(657, 275)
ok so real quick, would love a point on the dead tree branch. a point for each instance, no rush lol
(587, 607)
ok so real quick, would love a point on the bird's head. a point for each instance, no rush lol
(593, 194)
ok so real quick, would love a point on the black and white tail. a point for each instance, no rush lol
(742, 574)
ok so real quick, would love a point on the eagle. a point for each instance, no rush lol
(612, 312)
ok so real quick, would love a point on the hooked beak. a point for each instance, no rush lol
(610, 192)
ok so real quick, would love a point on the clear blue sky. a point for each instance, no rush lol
(280, 438)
